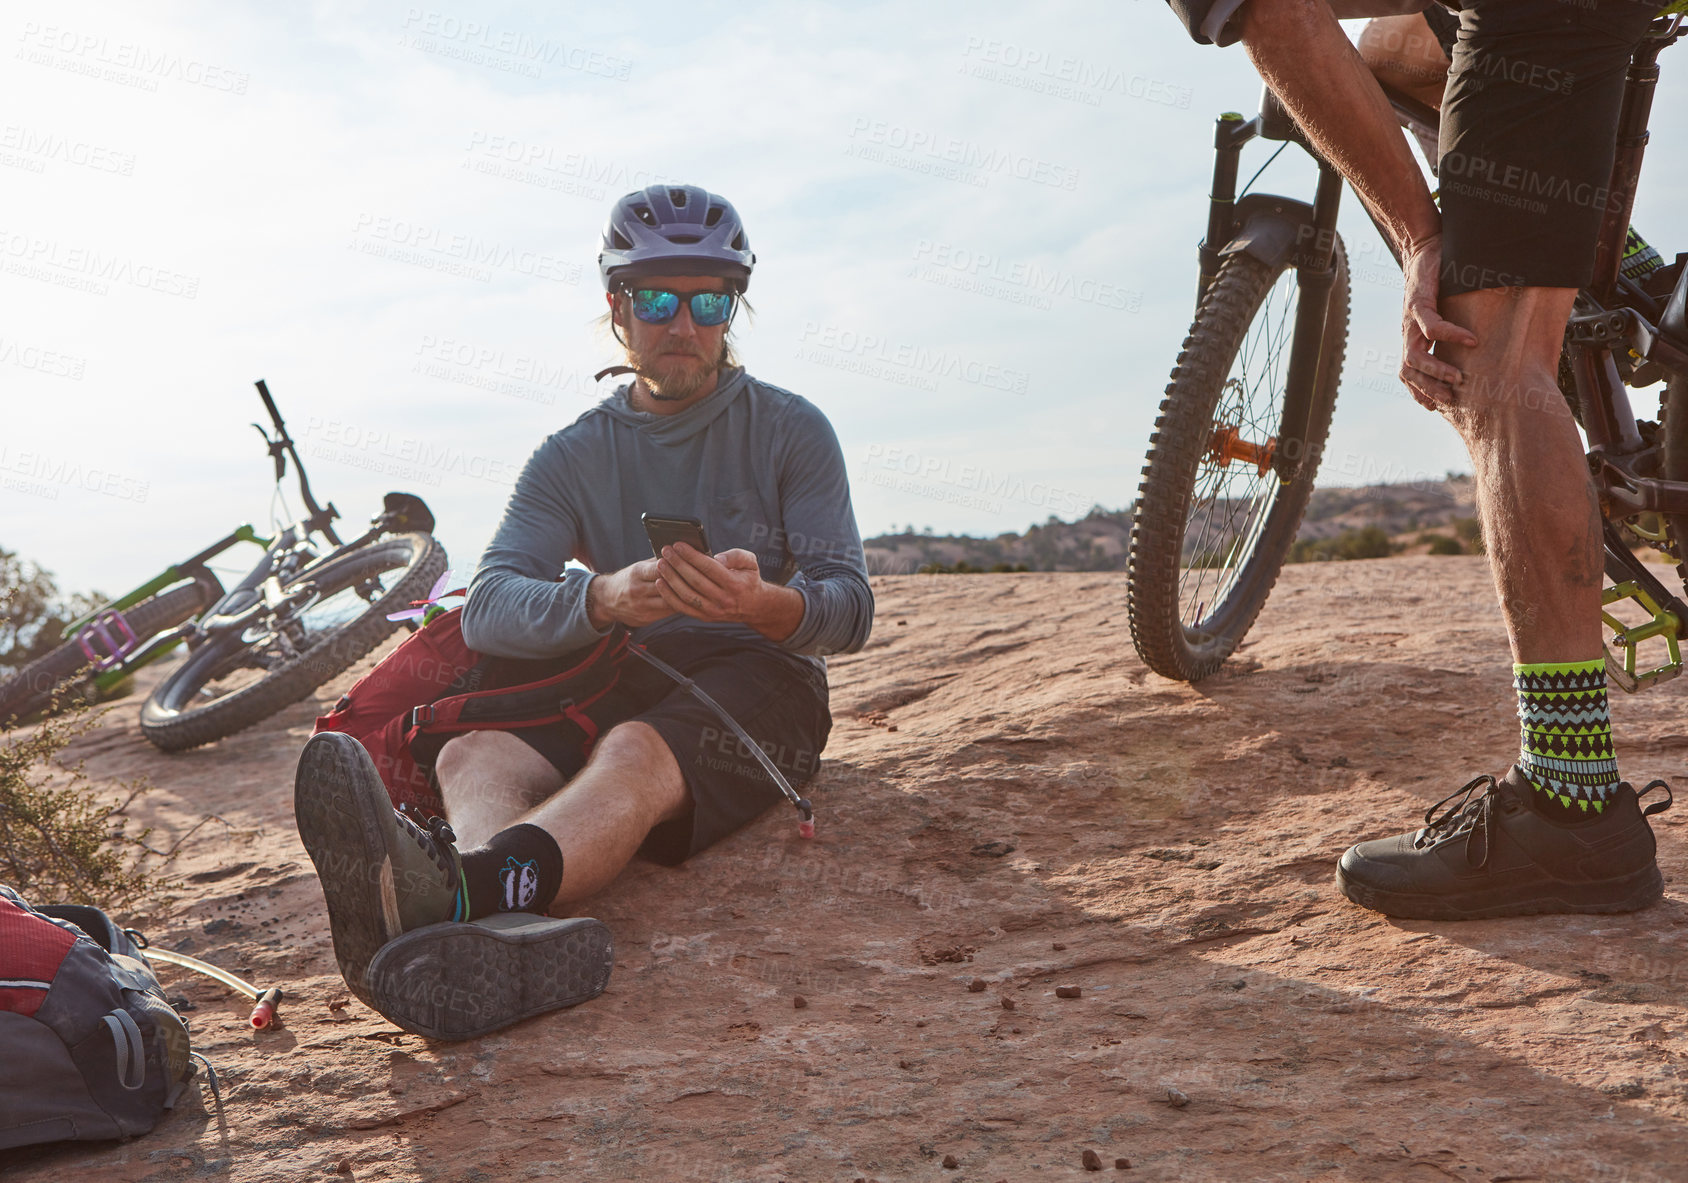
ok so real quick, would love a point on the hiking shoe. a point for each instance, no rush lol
(460, 980)
(1490, 852)
(381, 874)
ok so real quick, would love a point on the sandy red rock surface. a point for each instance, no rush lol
(1009, 797)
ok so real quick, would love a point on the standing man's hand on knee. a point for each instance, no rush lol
(1433, 382)
(629, 596)
(727, 587)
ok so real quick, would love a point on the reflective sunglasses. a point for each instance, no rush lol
(658, 306)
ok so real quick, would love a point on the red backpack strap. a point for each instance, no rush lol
(561, 696)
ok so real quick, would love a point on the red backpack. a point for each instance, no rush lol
(434, 686)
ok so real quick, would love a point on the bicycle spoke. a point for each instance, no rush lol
(1232, 500)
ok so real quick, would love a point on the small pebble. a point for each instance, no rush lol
(1092, 1161)
(920, 1022)
(903, 1064)
(890, 727)
(976, 986)
(1058, 947)
(1007, 1004)
(1069, 992)
(1014, 1030)
(1122, 1164)
(1177, 1098)
(951, 1162)
(343, 1167)
(798, 1001)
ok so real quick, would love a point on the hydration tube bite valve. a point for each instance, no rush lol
(263, 1014)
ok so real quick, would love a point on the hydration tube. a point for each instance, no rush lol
(805, 810)
(268, 1000)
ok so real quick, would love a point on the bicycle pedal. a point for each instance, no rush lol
(114, 634)
(1622, 660)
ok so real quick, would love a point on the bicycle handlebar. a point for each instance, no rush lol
(320, 520)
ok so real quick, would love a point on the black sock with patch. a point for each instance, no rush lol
(518, 870)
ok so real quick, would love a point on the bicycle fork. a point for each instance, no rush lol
(1276, 230)
(1314, 276)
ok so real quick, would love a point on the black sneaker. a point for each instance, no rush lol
(1490, 852)
(462, 980)
(382, 875)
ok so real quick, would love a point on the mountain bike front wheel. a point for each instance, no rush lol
(57, 671)
(340, 614)
(1213, 523)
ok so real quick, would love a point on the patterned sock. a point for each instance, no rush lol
(1566, 737)
(518, 870)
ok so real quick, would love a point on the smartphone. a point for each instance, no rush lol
(666, 531)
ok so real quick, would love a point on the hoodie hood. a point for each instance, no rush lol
(672, 429)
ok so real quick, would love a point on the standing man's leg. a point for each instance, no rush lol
(1524, 168)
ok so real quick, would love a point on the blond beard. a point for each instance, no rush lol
(668, 382)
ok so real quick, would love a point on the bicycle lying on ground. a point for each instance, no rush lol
(1237, 443)
(297, 618)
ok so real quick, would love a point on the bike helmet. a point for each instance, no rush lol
(674, 230)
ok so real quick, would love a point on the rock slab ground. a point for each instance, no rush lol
(1009, 797)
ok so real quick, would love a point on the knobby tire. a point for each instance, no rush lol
(1170, 644)
(173, 722)
(32, 688)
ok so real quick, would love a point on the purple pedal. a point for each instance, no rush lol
(115, 636)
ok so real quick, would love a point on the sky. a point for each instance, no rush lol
(975, 226)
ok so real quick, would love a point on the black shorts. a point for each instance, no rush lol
(1529, 132)
(781, 700)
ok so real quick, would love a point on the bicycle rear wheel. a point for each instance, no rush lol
(1213, 524)
(32, 688)
(240, 679)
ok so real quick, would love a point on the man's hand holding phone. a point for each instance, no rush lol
(687, 580)
(629, 595)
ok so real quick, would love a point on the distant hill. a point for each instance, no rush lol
(1097, 541)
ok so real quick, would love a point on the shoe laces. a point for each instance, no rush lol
(434, 835)
(1462, 812)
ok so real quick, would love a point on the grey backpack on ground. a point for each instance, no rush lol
(92, 1049)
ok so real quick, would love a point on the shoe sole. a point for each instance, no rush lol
(458, 981)
(344, 814)
(1627, 893)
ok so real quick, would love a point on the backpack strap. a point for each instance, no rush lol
(534, 704)
(131, 1049)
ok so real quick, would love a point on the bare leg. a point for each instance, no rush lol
(631, 783)
(1403, 52)
(1541, 520)
(489, 779)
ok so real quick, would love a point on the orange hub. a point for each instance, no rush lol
(1228, 445)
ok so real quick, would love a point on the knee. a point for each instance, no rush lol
(633, 741)
(1496, 403)
(461, 753)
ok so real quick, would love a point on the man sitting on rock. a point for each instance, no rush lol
(453, 945)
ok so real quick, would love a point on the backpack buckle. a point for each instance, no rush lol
(421, 716)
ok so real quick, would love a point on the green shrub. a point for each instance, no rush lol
(963, 567)
(61, 839)
(1369, 542)
(1441, 544)
(1470, 533)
